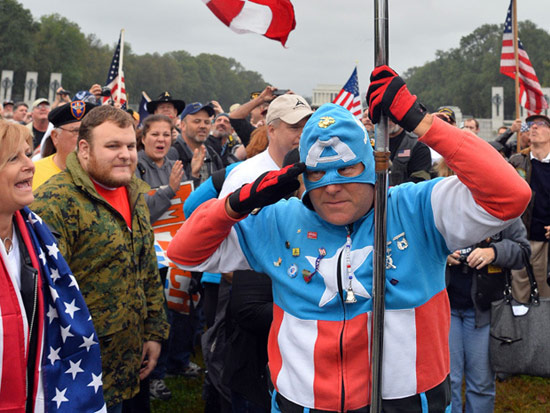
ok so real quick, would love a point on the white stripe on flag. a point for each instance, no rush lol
(255, 18)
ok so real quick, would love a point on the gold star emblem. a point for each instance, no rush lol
(325, 122)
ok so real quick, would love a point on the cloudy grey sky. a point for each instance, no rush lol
(331, 36)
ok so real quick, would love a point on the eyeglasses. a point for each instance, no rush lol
(539, 123)
(71, 131)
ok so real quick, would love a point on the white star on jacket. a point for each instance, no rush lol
(328, 270)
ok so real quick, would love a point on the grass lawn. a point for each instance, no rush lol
(521, 394)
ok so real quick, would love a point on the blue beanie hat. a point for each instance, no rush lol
(332, 139)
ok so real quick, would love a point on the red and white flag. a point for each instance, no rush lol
(531, 95)
(349, 97)
(273, 19)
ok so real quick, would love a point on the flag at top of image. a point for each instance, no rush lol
(273, 19)
(531, 95)
(349, 97)
(115, 79)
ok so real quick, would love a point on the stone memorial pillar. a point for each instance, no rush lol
(55, 82)
(31, 84)
(6, 84)
(497, 107)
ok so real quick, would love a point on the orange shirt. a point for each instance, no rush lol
(118, 199)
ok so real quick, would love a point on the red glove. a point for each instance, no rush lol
(267, 189)
(388, 94)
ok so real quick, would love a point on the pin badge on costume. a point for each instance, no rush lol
(278, 262)
(295, 252)
(292, 271)
(312, 235)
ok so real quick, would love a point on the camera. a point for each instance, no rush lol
(280, 92)
(105, 91)
(464, 252)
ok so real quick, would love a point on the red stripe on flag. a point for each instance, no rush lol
(225, 10)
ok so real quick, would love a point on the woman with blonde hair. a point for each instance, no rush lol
(44, 321)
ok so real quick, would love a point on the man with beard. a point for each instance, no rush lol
(410, 160)
(223, 142)
(195, 127)
(97, 207)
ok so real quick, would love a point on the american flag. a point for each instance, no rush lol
(531, 94)
(115, 71)
(71, 363)
(349, 97)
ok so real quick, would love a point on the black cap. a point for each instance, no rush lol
(535, 117)
(70, 112)
(8, 102)
(165, 97)
(447, 111)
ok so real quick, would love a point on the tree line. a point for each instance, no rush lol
(55, 44)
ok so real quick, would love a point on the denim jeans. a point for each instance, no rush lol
(469, 348)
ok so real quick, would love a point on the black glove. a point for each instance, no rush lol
(388, 94)
(267, 189)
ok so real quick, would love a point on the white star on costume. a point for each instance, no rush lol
(55, 296)
(66, 333)
(60, 396)
(42, 256)
(75, 368)
(55, 275)
(96, 382)
(53, 251)
(73, 282)
(88, 342)
(328, 269)
(54, 355)
(70, 308)
(52, 313)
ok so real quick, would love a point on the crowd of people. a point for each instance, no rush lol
(278, 240)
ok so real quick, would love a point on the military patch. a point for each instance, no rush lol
(326, 121)
(78, 109)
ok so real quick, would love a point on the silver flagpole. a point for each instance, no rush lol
(382, 156)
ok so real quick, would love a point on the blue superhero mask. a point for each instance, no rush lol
(332, 139)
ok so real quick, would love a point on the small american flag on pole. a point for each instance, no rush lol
(349, 97)
(531, 95)
(115, 78)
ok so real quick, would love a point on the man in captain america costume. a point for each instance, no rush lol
(318, 252)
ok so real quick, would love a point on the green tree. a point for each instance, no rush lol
(464, 76)
(16, 41)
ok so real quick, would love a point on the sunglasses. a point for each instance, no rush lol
(539, 123)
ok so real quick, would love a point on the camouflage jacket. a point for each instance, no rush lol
(116, 269)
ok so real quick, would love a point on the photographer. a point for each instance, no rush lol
(476, 277)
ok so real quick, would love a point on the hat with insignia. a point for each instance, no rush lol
(290, 108)
(194, 107)
(445, 110)
(332, 139)
(8, 102)
(165, 97)
(69, 113)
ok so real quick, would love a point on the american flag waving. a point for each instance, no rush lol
(349, 97)
(530, 91)
(71, 362)
(115, 78)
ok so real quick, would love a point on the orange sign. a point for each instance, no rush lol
(177, 280)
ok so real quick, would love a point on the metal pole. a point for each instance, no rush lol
(381, 156)
(516, 58)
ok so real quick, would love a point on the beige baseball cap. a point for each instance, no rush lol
(290, 108)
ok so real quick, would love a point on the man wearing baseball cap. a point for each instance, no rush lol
(39, 125)
(199, 160)
(533, 164)
(61, 142)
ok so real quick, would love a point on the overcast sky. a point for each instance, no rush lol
(330, 37)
